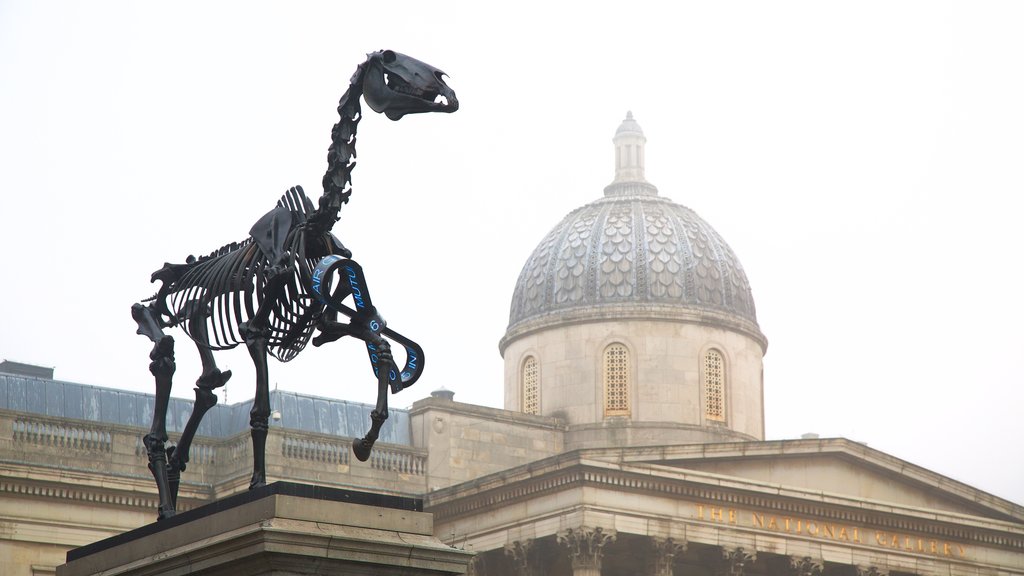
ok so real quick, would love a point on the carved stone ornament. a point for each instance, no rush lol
(523, 557)
(870, 571)
(806, 566)
(735, 560)
(586, 545)
(665, 551)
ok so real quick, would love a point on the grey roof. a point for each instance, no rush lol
(61, 399)
(635, 249)
(632, 254)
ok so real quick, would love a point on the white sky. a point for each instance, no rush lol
(863, 159)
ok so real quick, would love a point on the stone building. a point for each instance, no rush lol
(631, 443)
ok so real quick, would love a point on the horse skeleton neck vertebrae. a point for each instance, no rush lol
(272, 291)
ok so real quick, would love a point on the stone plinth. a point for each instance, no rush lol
(280, 529)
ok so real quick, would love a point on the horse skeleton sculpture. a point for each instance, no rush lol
(272, 290)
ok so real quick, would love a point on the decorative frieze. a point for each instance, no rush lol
(839, 524)
(825, 528)
(80, 494)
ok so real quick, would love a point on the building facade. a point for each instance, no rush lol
(631, 443)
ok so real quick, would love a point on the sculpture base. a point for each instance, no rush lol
(280, 529)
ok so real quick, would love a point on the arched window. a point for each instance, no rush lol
(531, 386)
(714, 386)
(616, 380)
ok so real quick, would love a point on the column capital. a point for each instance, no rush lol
(665, 550)
(586, 545)
(523, 557)
(806, 566)
(736, 559)
(863, 570)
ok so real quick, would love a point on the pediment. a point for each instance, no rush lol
(836, 467)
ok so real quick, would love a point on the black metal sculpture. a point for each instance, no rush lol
(273, 290)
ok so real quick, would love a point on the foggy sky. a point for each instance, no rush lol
(863, 160)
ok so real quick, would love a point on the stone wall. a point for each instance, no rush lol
(467, 441)
(65, 483)
(665, 374)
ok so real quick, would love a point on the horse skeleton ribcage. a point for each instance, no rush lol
(229, 287)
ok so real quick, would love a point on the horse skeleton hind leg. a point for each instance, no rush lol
(210, 379)
(162, 367)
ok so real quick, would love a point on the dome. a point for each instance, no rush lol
(632, 254)
(629, 125)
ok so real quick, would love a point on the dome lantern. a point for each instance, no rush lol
(629, 151)
(630, 158)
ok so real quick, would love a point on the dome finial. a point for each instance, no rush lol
(629, 151)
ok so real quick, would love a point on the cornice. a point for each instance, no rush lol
(855, 452)
(31, 479)
(715, 490)
(501, 415)
(590, 314)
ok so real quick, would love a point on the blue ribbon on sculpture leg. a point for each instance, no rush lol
(366, 315)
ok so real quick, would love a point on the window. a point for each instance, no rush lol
(616, 380)
(714, 386)
(531, 386)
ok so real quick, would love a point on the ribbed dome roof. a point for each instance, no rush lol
(632, 254)
(629, 125)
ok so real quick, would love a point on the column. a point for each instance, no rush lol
(524, 557)
(806, 566)
(586, 548)
(870, 571)
(665, 550)
(734, 561)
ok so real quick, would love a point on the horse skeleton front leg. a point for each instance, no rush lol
(364, 445)
(256, 334)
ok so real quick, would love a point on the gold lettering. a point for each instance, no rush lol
(716, 514)
(832, 531)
